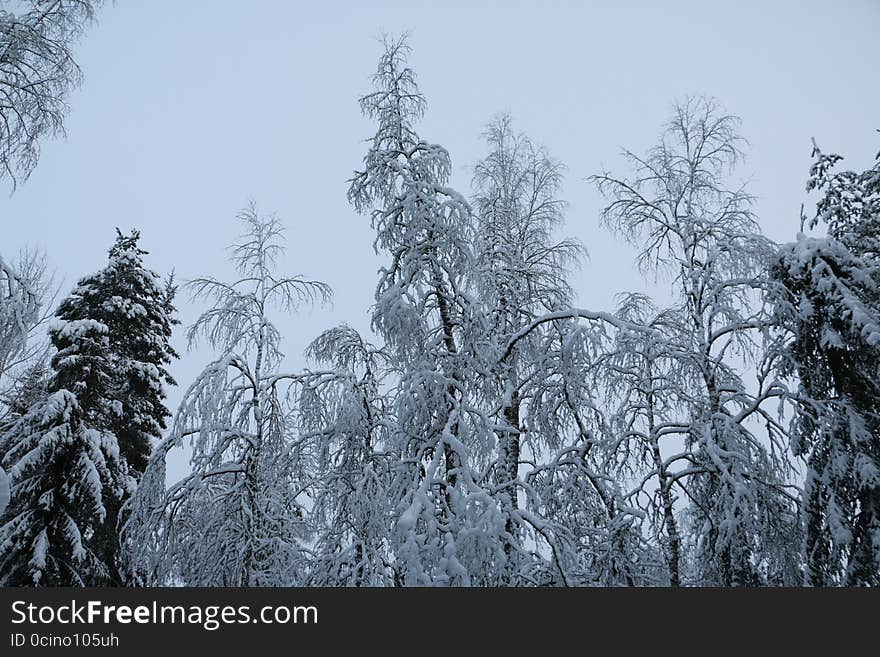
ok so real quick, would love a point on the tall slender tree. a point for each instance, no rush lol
(426, 318)
(689, 224)
(520, 269)
(237, 519)
(534, 393)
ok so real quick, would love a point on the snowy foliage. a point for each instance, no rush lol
(446, 525)
(552, 493)
(689, 389)
(828, 309)
(237, 518)
(488, 431)
(850, 202)
(26, 307)
(65, 469)
(134, 305)
(123, 393)
(344, 416)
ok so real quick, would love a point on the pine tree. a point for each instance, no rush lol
(138, 313)
(65, 468)
(130, 301)
(828, 307)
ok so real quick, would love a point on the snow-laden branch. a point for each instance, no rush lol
(573, 313)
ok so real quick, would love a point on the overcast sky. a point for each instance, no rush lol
(191, 107)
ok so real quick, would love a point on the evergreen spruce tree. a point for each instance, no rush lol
(107, 393)
(828, 302)
(137, 310)
(65, 468)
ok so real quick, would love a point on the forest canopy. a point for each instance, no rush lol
(487, 430)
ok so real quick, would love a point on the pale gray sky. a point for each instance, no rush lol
(190, 107)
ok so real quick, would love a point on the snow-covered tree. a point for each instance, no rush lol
(237, 518)
(65, 468)
(19, 313)
(520, 273)
(24, 361)
(37, 71)
(850, 203)
(136, 308)
(828, 310)
(29, 388)
(449, 528)
(688, 224)
(645, 398)
(533, 387)
(24, 291)
(574, 501)
(344, 417)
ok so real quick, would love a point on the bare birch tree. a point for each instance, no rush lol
(37, 72)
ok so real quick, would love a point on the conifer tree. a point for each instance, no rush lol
(828, 306)
(137, 310)
(65, 468)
